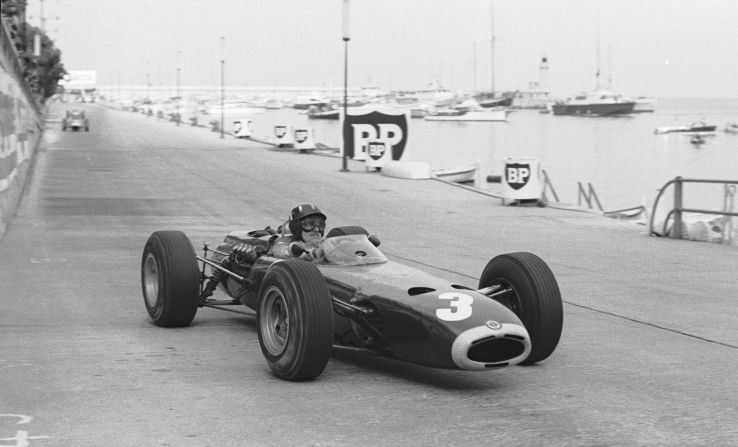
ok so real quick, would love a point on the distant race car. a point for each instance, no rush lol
(75, 120)
(356, 298)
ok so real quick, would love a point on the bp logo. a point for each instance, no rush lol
(376, 149)
(280, 131)
(301, 135)
(517, 174)
(359, 130)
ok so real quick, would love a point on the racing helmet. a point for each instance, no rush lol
(300, 212)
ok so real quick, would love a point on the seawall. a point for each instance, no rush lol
(21, 125)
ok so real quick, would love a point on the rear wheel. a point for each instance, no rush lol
(170, 279)
(295, 319)
(532, 294)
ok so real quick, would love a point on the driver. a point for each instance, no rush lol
(307, 225)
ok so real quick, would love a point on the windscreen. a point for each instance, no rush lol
(354, 249)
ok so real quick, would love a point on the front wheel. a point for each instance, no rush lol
(170, 279)
(532, 294)
(295, 320)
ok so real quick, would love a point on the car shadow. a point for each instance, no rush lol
(447, 379)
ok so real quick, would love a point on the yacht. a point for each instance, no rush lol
(596, 103)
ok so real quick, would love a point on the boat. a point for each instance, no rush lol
(420, 111)
(731, 128)
(698, 127)
(489, 99)
(465, 174)
(305, 102)
(644, 105)
(463, 115)
(324, 113)
(231, 107)
(595, 103)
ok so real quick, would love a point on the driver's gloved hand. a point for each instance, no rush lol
(246, 253)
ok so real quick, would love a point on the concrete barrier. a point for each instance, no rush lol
(20, 131)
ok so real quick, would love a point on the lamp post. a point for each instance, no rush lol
(346, 38)
(178, 69)
(222, 82)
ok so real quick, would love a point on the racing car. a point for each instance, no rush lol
(75, 120)
(354, 297)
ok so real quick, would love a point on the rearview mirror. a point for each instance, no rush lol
(374, 240)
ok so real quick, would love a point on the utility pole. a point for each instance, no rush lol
(178, 98)
(346, 38)
(492, 24)
(222, 84)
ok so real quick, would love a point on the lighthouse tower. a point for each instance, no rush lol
(540, 85)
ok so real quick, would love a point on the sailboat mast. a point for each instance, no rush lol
(492, 40)
(597, 74)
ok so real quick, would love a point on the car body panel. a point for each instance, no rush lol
(410, 314)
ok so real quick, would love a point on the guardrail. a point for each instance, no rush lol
(678, 209)
(589, 196)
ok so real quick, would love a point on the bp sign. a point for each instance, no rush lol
(364, 126)
(521, 179)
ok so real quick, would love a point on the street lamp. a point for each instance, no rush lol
(178, 69)
(222, 81)
(346, 38)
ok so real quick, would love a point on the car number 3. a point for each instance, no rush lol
(460, 307)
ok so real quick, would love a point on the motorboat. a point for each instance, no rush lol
(595, 103)
(464, 174)
(464, 115)
(305, 102)
(698, 127)
(731, 128)
(325, 113)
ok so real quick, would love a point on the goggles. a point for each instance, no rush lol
(311, 225)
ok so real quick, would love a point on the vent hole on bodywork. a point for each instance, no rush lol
(495, 350)
(460, 287)
(412, 291)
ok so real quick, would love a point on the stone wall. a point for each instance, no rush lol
(21, 123)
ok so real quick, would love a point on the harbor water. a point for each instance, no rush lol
(621, 157)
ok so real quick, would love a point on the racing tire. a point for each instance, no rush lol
(347, 230)
(295, 320)
(170, 279)
(535, 298)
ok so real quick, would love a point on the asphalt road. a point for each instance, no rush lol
(648, 356)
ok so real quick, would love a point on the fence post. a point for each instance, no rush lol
(593, 195)
(581, 193)
(728, 205)
(676, 228)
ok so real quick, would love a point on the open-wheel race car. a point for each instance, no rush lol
(354, 297)
(75, 120)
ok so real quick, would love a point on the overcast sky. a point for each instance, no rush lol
(663, 48)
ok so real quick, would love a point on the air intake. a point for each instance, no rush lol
(495, 350)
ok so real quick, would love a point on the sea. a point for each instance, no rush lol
(621, 159)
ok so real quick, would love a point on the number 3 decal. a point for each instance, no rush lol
(460, 307)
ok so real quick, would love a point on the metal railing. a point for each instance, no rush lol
(678, 209)
(589, 196)
(547, 185)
